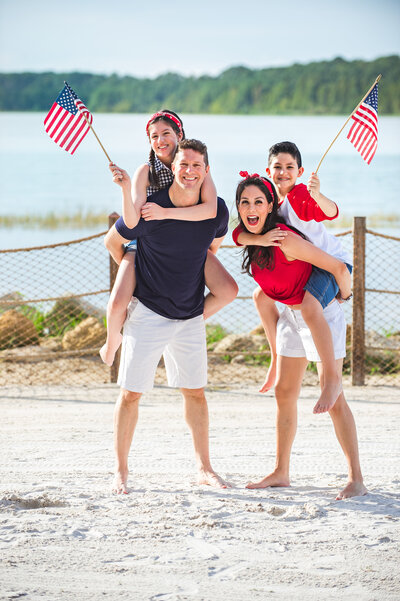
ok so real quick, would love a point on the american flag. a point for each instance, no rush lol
(65, 122)
(363, 133)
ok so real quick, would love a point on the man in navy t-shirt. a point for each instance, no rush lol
(166, 316)
(170, 258)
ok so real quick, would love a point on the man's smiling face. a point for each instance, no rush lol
(189, 169)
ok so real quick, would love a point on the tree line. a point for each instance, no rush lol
(319, 88)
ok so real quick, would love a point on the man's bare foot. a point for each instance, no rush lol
(270, 379)
(274, 479)
(108, 350)
(120, 483)
(210, 478)
(353, 489)
(329, 396)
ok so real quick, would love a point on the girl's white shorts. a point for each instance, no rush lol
(293, 337)
(147, 336)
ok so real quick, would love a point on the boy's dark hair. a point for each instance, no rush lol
(192, 144)
(289, 148)
(153, 176)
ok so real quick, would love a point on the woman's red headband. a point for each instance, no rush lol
(165, 115)
(264, 180)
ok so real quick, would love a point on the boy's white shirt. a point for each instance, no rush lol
(315, 232)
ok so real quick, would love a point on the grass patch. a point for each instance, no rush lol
(55, 221)
(214, 333)
(35, 316)
(65, 315)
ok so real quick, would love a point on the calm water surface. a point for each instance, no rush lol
(40, 178)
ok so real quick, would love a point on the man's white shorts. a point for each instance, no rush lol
(293, 337)
(147, 336)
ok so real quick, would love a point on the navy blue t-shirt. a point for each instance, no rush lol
(170, 259)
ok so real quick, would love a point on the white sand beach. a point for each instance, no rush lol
(64, 536)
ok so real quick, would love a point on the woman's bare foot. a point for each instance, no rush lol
(329, 395)
(120, 482)
(270, 379)
(353, 489)
(274, 479)
(210, 478)
(108, 350)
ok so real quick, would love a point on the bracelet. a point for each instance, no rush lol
(344, 300)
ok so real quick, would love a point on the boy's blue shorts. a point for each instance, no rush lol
(322, 285)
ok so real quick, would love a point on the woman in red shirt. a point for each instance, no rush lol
(280, 261)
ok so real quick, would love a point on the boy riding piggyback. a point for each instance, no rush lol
(304, 208)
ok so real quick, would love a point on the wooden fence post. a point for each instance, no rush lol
(113, 274)
(358, 325)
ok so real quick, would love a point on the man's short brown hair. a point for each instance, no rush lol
(192, 144)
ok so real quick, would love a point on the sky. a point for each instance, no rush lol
(152, 37)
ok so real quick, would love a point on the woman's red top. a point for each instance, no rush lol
(285, 282)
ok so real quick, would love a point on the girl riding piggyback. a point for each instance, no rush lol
(164, 131)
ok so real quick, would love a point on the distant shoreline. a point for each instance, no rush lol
(318, 88)
(78, 220)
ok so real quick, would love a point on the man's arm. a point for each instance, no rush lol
(215, 244)
(114, 243)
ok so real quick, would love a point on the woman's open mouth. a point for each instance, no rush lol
(253, 220)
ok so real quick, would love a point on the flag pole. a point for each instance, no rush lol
(97, 138)
(89, 124)
(340, 131)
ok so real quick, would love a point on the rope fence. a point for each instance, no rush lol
(53, 302)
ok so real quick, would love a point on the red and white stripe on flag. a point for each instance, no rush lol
(363, 133)
(65, 123)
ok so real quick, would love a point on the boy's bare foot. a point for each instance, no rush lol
(270, 379)
(108, 350)
(120, 482)
(274, 479)
(329, 395)
(210, 478)
(353, 489)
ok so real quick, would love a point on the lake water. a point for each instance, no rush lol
(40, 178)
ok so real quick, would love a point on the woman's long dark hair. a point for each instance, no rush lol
(263, 256)
(153, 176)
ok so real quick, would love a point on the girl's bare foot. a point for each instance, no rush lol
(108, 350)
(270, 379)
(120, 482)
(274, 479)
(353, 489)
(210, 478)
(329, 396)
